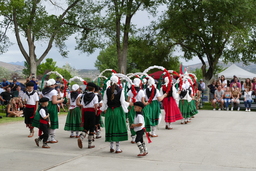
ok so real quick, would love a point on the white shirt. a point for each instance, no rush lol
(139, 119)
(73, 104)
(52, 93)
(32, 100)
(139, 96)
(156, 95)
(92, 103)
(42, 113)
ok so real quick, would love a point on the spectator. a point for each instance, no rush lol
(235, 99)
(234, 77)
(248, 84)
(5, 83)
(254, 85)
(14, 83)
(6, 96)
(33, 80)
(227, 98)
(202, 87)
(58, 80)
(27, 80)
(13, 110)
(248, 99)
(18, 92)
(223, 81)
(218, 98)
(235, 83)
(1, 89)
(212, 88)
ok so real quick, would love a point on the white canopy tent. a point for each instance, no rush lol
(237, 71)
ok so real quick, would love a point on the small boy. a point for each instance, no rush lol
(139, 128)
(44, 122)
(30, 99)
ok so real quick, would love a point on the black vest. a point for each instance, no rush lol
(117, 94)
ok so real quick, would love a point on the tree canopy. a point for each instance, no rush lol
(211, 30)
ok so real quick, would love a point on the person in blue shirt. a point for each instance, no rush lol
(33, 80)
(14, 84)
(5, 83)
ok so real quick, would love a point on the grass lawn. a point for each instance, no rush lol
(12, 119)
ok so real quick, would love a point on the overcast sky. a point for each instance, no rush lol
(76, 59)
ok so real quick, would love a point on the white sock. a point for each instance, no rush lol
(111, 145)
(117, 146)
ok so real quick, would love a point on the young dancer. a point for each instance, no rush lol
(115, 106)
(50, 93)
(30, 99)
(89, 104)
(138, 96)
(138, 127)
(44, 122)
(73, 119)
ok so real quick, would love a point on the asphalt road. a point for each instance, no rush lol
(213, 141)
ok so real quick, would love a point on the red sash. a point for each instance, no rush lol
(31, 106)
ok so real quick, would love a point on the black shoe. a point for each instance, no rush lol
(1, 117)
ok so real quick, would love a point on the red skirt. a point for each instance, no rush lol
(172, 112)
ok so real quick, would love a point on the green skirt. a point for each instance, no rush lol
(187, 109)
(155, 112)
(54, 120)
(73, 120)
(193, 109)
(115, 125)
(131, 114)
(146, 113)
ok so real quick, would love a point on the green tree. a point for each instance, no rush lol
(211, 30)
(142, 53)
(47, 66)
(117, 26)
(31, 20)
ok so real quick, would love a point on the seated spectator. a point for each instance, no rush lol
(254, 85)
(218, 98)
(1, 89)
(233, 80)
(223, 81)
(18, 92)
(248, 99)
(13, 108)
(6, 96)
(235, 84)
(5, 83)
(235, 99)
(14, 84)
(227, 98)
(247, 84)
(212, 88)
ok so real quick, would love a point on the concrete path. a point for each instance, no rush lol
(213, 141)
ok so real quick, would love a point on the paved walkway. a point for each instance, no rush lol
(213, 141)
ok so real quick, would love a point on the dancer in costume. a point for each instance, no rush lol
(30, 99)
(89, 104)
(172, 112)
(73, 120)
(98, 121)
(135, 97)
(153, 111)
(186, 104)
(44, 122)
(50, 93)
(115, 107)
(138, 127)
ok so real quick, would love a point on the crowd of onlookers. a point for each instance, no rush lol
(11, 95)
(227, 94)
